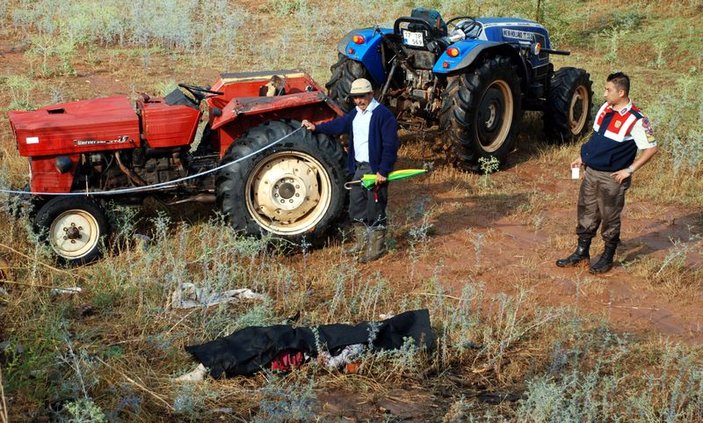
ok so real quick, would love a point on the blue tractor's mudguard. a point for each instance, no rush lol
(368, 53)
(507, 34)
(468, 51)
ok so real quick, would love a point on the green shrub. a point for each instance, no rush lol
(20, 88)
(84, 410)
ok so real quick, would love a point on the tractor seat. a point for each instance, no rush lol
(433, 18)
(425, 21)
(274, 87)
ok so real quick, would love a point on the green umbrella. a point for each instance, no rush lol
(369, 180)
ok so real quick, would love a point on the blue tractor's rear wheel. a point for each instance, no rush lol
(344, 72)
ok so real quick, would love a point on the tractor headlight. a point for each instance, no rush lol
(358, 39)
(63, 164)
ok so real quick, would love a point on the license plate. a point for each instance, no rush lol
(414, 39)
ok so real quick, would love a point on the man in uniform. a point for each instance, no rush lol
(373, 149)
(620, 129)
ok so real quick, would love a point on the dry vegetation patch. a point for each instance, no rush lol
(517, 338)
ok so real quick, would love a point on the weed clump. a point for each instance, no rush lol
(108, 352)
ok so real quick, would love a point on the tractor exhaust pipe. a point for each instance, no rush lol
(388, 81)
(203, 198)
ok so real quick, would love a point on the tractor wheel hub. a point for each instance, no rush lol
(289, 192)
(286, 189)
(72, 232)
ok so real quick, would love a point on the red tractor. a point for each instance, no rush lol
(106, 149)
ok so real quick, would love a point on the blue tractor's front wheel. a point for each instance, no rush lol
(567, 115)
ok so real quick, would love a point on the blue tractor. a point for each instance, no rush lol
(473, 77)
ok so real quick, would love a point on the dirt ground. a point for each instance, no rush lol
(485, 238)
(514, 254)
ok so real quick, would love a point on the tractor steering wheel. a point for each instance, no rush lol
(199, 93)
(469, 27)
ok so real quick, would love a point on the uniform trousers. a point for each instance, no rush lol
(601, 200)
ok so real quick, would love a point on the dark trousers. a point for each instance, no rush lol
(368, 206)
(601, 200)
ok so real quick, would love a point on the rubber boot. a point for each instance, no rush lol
(360, 239)
(581, 254)
(605, 262)
(377, 245)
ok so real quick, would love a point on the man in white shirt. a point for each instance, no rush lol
(373, 149)
(619, 131)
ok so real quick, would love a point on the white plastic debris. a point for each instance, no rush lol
(69, 290)
(189, 296)
(346, 356)
(196, 375)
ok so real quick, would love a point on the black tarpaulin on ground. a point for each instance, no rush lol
(248, 350)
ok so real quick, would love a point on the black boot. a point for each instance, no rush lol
(605, 262)
(581, 254)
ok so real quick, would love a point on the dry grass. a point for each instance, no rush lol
(111, 351)
(3, 402)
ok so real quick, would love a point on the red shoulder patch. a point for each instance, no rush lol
(647, 126)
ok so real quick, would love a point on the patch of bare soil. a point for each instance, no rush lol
(413, 405)
(506, 252)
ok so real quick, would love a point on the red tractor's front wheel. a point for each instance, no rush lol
(74, 227)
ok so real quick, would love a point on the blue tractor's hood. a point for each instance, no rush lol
(511, 30)
(495, 32)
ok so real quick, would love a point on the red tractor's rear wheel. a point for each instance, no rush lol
(291, 190)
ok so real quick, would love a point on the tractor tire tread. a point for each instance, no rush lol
(344, 72)
(459, 108)
(563, 84)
